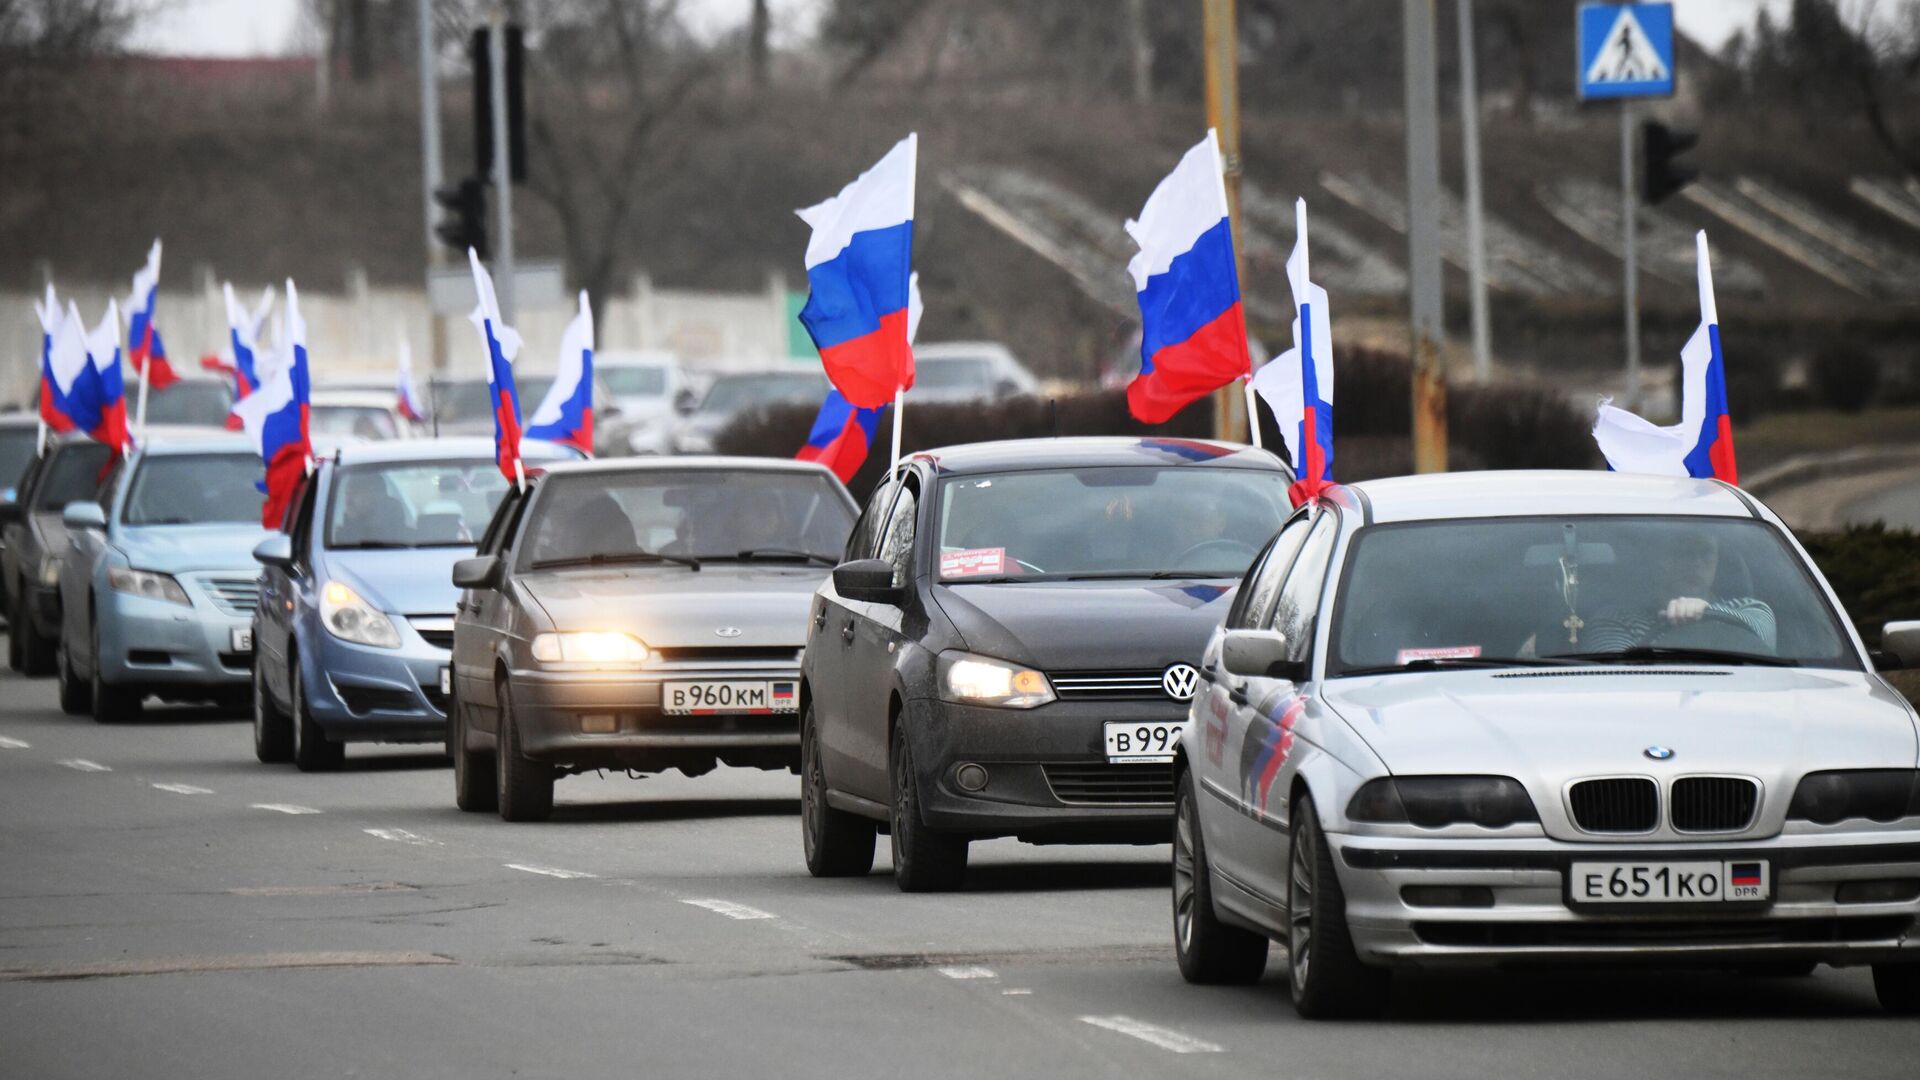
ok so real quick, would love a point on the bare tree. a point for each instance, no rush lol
(1885, 66)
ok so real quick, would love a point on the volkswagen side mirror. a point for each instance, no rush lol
(84, 515)
(866, 581)
(275, 551)
(479, 572)
(1259, 654)
(1900, 643)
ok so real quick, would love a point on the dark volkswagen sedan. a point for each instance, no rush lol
(1009, 647)
(638, 614)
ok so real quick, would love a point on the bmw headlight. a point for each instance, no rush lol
(350, 618)
(1432, 802)
(597, 648)
(1828, 798)
(977, 680)
(147, 584)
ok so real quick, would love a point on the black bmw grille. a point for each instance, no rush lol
(1108, 784)
(1713, 803)
(1617, 804)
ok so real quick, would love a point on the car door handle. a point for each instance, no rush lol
(820, 619)
(846, 633)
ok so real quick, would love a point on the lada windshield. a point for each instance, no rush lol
(195, 489)
(687, 515)
(1107, 522)
(1590, 589)
(413, 504)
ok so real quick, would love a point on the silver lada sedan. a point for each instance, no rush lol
(1499, 718)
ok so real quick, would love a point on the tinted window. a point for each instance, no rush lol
(200, 402)
(73, 474)
(1254, 606)
(360, 421)
(636, 381)
(1299, 602)
(896, 543)
(16, 451)
(955, 373)
(867, 530)
(464, 399)
(733, 393)
(196, 489)
(412, 504)
(709, 514)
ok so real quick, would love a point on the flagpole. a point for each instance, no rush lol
(140, 416)
(899, 397)
(1253, 413)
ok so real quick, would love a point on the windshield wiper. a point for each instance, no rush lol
(780, 555)
(374, 545)
(1648, 653)
(1436, 663)
(1149, 575)
(613, 558)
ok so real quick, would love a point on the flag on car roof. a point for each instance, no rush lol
(502, 343)
(1701, 444)
(275, 416)
(565, 415)
(1193, 337)
(842, 432)
(406, 390)
(103, 355)
(53, 402)
(145, 351)
(858, 260)
(1298, 384)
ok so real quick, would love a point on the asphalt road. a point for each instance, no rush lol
(171, 908)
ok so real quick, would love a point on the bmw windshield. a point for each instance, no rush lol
(412, 504)
(194, 489)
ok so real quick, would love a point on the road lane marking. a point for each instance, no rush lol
(80, 764)
(400, 836)
(184, 789)
(13, 744)
(966, 971)
(285, 808)
(550, 871)
(731, 910)
(1164, 1038)
(1018, 991)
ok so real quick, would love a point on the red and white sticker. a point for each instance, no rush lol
(972, 562)
(1444, 652)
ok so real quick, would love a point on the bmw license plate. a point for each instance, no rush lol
(1143, 743)
(1669, 882)
(705, 698)
(241, 638)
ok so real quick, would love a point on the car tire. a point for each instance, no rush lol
(272, 729)
(1898, 986)
(838, 844)
(312, 750)
(1210, 952)
(525, 787)
(16, 657)
(1325, 972)
(36, 652)
(76, 694)
(475, 787)
(923, 860)
(111, 704)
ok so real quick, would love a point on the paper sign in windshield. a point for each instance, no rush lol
(1444, 652)
(972, 562)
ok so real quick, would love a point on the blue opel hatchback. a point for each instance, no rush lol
(355, 620)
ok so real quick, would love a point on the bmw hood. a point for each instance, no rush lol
(674, 607)
(1088, 625)
(181, 548)
(406, 581)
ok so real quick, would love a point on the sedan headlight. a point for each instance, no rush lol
(1432, 802)
(603, 648)
(1827, 798)
(350, 618)
(977, 680)
(147, 584)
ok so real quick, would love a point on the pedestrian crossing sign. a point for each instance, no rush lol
(1625, 51)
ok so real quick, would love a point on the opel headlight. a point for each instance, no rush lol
(977, 680)
(350, 618)
(600, 648)
(147, 584)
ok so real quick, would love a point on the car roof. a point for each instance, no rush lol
(1553, 492)
(356, 397)
(957, 350)
(198, 444)
(715, 462)
(1086, 451)
(20, 418)
(380, 453)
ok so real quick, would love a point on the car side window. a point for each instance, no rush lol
(866, 531)
(1299, 601)
(896, 542)
(111, 485)
(499, 531)
(1255, 605)
(300, 520)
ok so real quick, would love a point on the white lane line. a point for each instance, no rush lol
(966, 971)
(7, 743)
(183, 789)
(731, 910)
(80, 764)
(1018, 991)
(550, 871)
(1164, 1038)
(285, 808)
(400, 836)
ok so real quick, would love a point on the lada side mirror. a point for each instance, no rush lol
(1900, 643)
(866, 581)
(84, 515)
(275, 551)
(1259, 654)
(480, 572)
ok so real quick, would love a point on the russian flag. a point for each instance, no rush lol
(145, 351)
(406, 392)
(1701, 444)
(841, 436)
(109, 424)
(858, 260)
(503, 344)
(275, 416)
(1298, 384)
(52, 402)
(243, 333)
(70, 389)
(565, 415)
(1193, 337)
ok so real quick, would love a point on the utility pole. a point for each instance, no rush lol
(1222, 48)
(431, 171)
(502, 159)
(1423, 240)
(1476, 210)
(1630, 254)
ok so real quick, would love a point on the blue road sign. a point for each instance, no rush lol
(1626, 51)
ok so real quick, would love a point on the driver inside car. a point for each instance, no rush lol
(1686, 580)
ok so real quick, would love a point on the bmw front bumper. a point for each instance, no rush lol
(358, 693)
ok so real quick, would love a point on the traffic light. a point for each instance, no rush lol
(467, 227)
(1660, 174)
(516, 61)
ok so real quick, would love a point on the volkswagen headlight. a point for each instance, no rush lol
(350, 618)
(1433, 802)
(146, 584)
(977, 680)
(591, 647)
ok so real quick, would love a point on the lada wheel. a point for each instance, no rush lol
(272, 729)
(474, 782)
(1328, 979)
(75, 692)
(312, 750)
(1899, 987)
(525, 786)
(838, 844)
(1209, 951)
(111, 704)
(923, 860)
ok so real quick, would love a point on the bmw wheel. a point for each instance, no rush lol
(312, 750)
(111, 704)
(525, 786)
(1209, 951)
(838, 844)
(1326, 974)
(923, 860)
(474, 782)
(272, 729)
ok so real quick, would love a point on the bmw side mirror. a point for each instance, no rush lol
(1259, 654)
(1900, 643)
(275, 551)
(480, 572)
(866, 581)
(84, 515)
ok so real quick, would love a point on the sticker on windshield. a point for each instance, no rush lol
(1444, 652)
(972, 562)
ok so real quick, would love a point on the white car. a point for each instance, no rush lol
(1544, 717)
(372, 415)
(650, 388)
(968, 371)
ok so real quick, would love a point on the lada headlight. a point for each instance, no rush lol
(978, 680)
(147, 584)
(1433, 802)
(601, 648)
(350, 618)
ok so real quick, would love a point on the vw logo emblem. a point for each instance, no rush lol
(1659, 753)
(1180, 682)
(727, 631)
